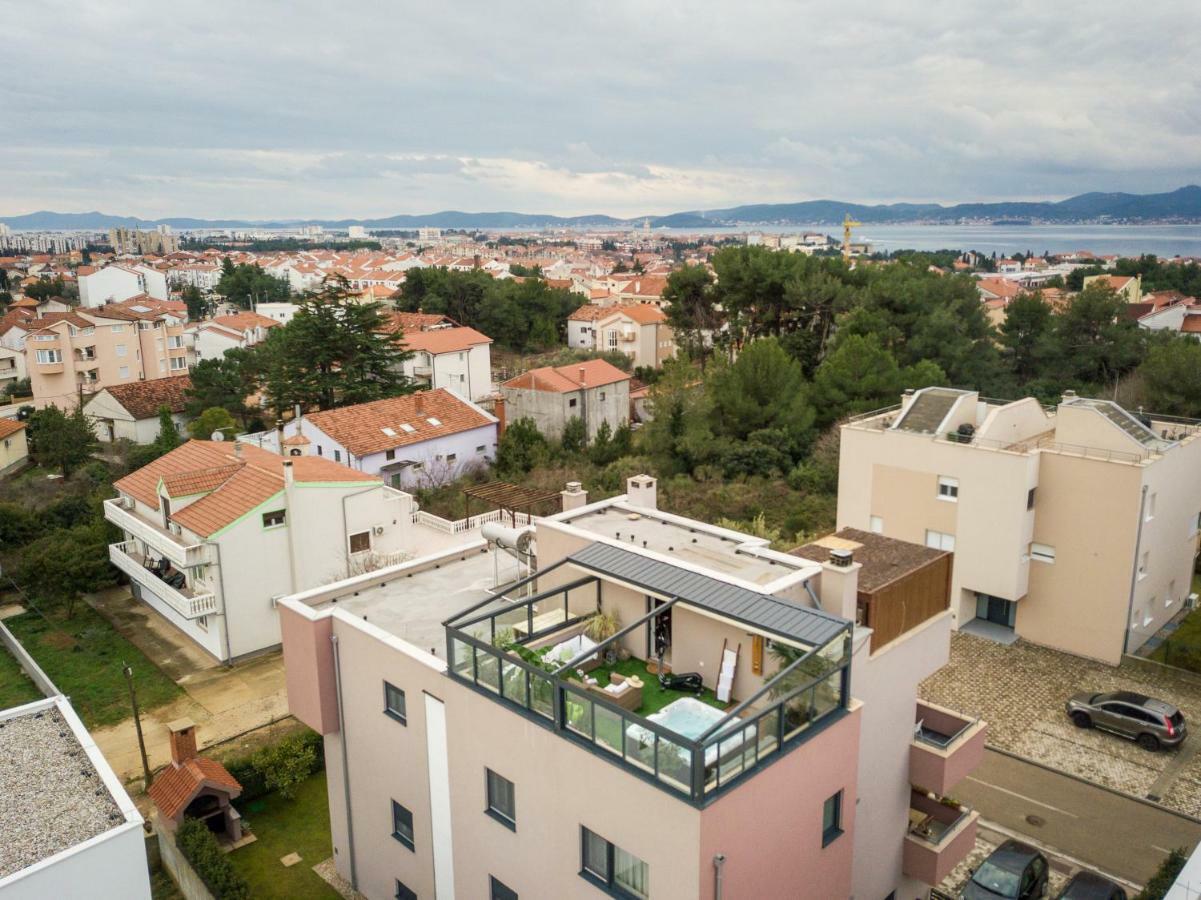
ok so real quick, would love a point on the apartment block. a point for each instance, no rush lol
(1073, 526)
(73, 354)
(618, 701)
(120, 281)
(640, 332)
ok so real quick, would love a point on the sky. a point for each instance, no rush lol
(263, 109)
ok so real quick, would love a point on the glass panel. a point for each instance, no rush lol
(514, 682)
(542, 695)
(461, 658)
(487, 670)
(735, 753)
(608, 729)
(596, 855)
(630, 873)
(675, 764)
(640, 745)
(798, 713)
(828, 694)
(579, 713)
(769, 733)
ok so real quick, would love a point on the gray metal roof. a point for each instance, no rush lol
(798, 623)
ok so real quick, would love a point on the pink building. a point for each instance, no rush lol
(619, 700)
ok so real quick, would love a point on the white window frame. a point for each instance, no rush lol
(48, 357)
(948, 489)
(121, 349)
(875, 524)
(940, 540)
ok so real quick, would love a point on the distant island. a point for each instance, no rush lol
(1181, 206)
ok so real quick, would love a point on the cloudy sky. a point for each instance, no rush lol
(262, 109)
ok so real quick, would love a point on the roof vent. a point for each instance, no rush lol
(842, 558)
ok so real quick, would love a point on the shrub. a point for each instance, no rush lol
(1161, 882)
(279, 767)
(200, 848)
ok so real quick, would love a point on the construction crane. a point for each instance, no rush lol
(847, 224)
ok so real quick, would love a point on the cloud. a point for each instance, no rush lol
(291, 109)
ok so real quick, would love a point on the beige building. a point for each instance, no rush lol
(1074, 527)
(640, 332)
(71, 355)
(14, 449)
(1129, 287)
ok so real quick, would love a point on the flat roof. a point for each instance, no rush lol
(51, 795)
(697, 544)
(884, 559)
(414, 606)
(806, 625)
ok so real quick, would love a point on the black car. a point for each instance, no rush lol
(1091, 886)
(1014, 871)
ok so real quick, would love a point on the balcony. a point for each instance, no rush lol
(159, 539)
(941, 834)
(183, 600)
(423, 371)
(946, 747)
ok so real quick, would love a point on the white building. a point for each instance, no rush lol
(121, 281)
(214, 337)
(80, 834)
(130, 411)
(279, 312)
(198, 275)
(458, 359)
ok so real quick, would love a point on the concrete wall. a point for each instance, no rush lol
(551, 411)
(189, 883)
(114, 423)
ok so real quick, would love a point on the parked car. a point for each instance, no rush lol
(1091, 886)
(1153, 723)
(1014, 871)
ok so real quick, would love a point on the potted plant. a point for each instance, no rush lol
(601, 626)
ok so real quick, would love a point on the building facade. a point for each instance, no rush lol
(593, 391)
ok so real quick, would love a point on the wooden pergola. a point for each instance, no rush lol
(510, 498)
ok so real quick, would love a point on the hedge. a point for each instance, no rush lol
(1161, 882)
(200, 848)
(252, 771)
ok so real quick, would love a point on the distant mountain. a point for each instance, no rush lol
(1181, 205)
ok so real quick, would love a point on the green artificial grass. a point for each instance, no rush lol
(654, 697)
(15, 687)
(83, 656)
(281, 827)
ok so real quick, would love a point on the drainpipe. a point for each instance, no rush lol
(719, 860)
(290, 524)
(1138, 546)
(354, 877)
(224, 602)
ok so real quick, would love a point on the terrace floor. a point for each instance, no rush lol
(654, 696)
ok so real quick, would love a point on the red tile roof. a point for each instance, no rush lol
(177, 785)
(244, 321)
(444, 340)
(9, 427)
(561, 380)
(143, 399)
(360, 428)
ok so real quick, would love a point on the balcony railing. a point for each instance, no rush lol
(187, 603)
(941, 834)
(946, 747)
(160, 539)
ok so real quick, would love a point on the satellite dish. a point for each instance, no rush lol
(217, 436)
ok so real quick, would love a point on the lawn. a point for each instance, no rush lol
(83, 656)
(1183, 647)
(282, 827)
(654, 697)
(15, 687)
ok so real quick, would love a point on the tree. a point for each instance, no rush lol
(692, 311)
(66, 563)
(225, 381)
(168, 432)
(860, 375)
(1027, 334)
(520, 448)
(46, 288)
(1172, 376)
(679, 435)
(199, 306)
(210, 421)
(1095, 341)
(764, 389)
(247, 284)
(334, 352)
(59, 440)
(575, 436)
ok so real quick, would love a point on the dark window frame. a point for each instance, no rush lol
(269, 518)
(406, 839)
(493, 809)
(498, 890)
(608, 882)
(834, 831)
(404, 892)
(359, 534)
(400, 715)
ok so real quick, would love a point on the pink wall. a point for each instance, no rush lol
(309, 669)
(770, 826)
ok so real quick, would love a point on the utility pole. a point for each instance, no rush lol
(137, 722)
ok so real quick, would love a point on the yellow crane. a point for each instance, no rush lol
(847, 224)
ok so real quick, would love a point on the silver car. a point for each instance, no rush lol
(1153, 723)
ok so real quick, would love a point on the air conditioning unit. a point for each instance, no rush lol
(378, 529)
(175, 529)
(1190, 602)
(127, 502)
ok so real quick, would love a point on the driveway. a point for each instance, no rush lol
(224, 702)
(1020, 691)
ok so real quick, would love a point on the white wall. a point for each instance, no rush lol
(110, 284)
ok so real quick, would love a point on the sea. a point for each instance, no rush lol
(1123, 240)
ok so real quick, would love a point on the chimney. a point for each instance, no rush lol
(582, 375)
(287, 473)
(906, 398)
(574, 496)
(641, 490)
(237, 448)
(498, 410)
(183, 740)
(419, 402)
(839, 587)
(1068, 396)
(279, 435)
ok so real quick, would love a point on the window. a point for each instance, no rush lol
(948, 488)
(497, 890)
(178, 362)
(361, 542)
(175, 342)
(612, 868)
(202, 623)
(571, 403)
(404, 892)
(612, 340)
(940, 540)
(337, 456)
(1030, 498)
(274, 519)
(45, 337)
(1042, 552)
(451, 457)
(117, 329)
(481, 449)
(875, 524)
(434, 421)
(602, 396)
(832, 819)
(502, 799)
(402, 825)
(320, 451)
(1151, 506)
(121, 351)
(1144, 563)
(389, 454)
(1195, 525)
(49, 356)
(123, 371)
(394, 703)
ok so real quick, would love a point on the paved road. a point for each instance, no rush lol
(1098, 827)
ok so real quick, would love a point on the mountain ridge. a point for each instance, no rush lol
(1182, 204)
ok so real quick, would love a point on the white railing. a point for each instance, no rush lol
(184, 602)
(161, 540)
(462, 526)
(371, 560)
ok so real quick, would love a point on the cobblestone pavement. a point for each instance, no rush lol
(954, 882)
(1020, 691)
